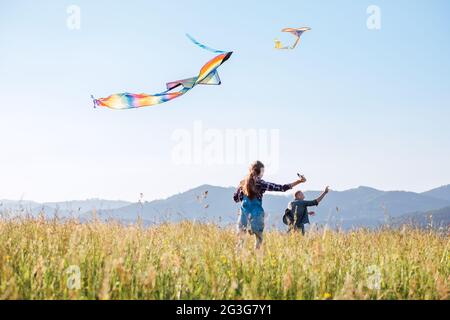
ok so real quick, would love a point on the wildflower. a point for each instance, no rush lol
(327, 296)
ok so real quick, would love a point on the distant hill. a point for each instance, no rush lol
(432, 218)
(81, 206)
(358, 207)
(73, 208)
(17, 207)
(217, 206)
(439, 193)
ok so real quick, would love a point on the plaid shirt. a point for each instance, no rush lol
(262, 186)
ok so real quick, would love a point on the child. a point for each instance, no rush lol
(250, 193)
(296, 214)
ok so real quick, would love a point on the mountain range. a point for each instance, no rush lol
(358, 207)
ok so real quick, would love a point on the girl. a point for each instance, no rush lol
(250, 193)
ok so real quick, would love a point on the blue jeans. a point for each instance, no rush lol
(251, 213)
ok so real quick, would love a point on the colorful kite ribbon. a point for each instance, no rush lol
(207, 75)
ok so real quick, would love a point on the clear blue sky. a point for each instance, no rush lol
(354, 106)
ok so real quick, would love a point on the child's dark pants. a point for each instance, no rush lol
(297, 227)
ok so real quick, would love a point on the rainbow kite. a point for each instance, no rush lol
(297, 32)
(208, 75)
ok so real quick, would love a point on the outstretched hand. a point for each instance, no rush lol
(327, 189)
(297, 182)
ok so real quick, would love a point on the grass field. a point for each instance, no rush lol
(42, 259)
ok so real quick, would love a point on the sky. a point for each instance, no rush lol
(350, 106)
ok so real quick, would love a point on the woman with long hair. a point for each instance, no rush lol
(250, 193)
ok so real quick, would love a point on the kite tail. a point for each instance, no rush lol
(203, 46)
(94, 101)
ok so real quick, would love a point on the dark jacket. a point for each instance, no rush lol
(299, 210)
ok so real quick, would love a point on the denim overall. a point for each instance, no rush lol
(251, 212)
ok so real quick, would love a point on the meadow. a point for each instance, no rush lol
(53, 259)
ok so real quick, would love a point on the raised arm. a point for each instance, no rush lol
(297, 182)
(327, 189)
(269, 186)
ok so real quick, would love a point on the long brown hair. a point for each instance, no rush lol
(248, 185)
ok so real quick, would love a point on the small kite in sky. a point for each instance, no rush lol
(207, 75)
(297, 32)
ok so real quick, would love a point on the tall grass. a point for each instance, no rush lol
(200, 261)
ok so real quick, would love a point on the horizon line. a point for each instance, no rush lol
(215, 186)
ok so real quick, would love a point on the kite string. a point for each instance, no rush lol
(94, 101)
